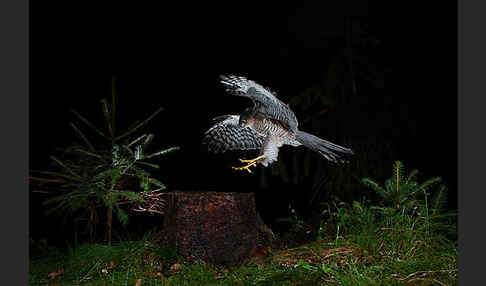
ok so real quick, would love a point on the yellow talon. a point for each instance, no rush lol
(251, 162)
(247, 167)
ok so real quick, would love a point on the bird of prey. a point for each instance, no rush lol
(265, 126)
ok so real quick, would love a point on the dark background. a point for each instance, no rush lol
(171, 56)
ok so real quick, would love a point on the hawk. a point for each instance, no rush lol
(265, 126)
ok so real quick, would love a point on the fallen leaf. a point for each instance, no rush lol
(55, 274)
(153, 275)
(112, 264)
(139, 282)
(218, 277)
(176, 266)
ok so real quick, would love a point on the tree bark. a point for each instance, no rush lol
(218, 228)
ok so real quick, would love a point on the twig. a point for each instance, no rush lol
(429, 272)
(42, 192)
(45, 180)
(140, 209)
(313, 252)
(86, 277)
(152, 202)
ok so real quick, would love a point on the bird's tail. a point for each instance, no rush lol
(325, 148)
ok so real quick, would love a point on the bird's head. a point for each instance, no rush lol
(245, 117)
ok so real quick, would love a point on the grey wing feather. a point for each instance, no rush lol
(226, 135)
(265, 101)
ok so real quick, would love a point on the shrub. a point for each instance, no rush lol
(408, 218)
(109, 176)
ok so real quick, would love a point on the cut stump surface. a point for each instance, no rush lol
(218, 228)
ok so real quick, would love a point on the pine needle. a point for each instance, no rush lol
(139, 125)
(81, 135)
(87, 122)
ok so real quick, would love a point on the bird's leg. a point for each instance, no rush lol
(251, 162)
(247, 167)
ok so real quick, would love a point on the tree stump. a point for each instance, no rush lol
(218, 228)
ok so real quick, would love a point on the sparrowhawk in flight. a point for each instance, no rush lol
(265, 126)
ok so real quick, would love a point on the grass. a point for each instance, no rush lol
(379, 257)
(358, 245)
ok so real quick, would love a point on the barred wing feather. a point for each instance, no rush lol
(265, 101)
(226, 135)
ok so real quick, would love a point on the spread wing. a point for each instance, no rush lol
(265, 101)
(226, 134)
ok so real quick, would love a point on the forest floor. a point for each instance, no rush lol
(340, 261)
